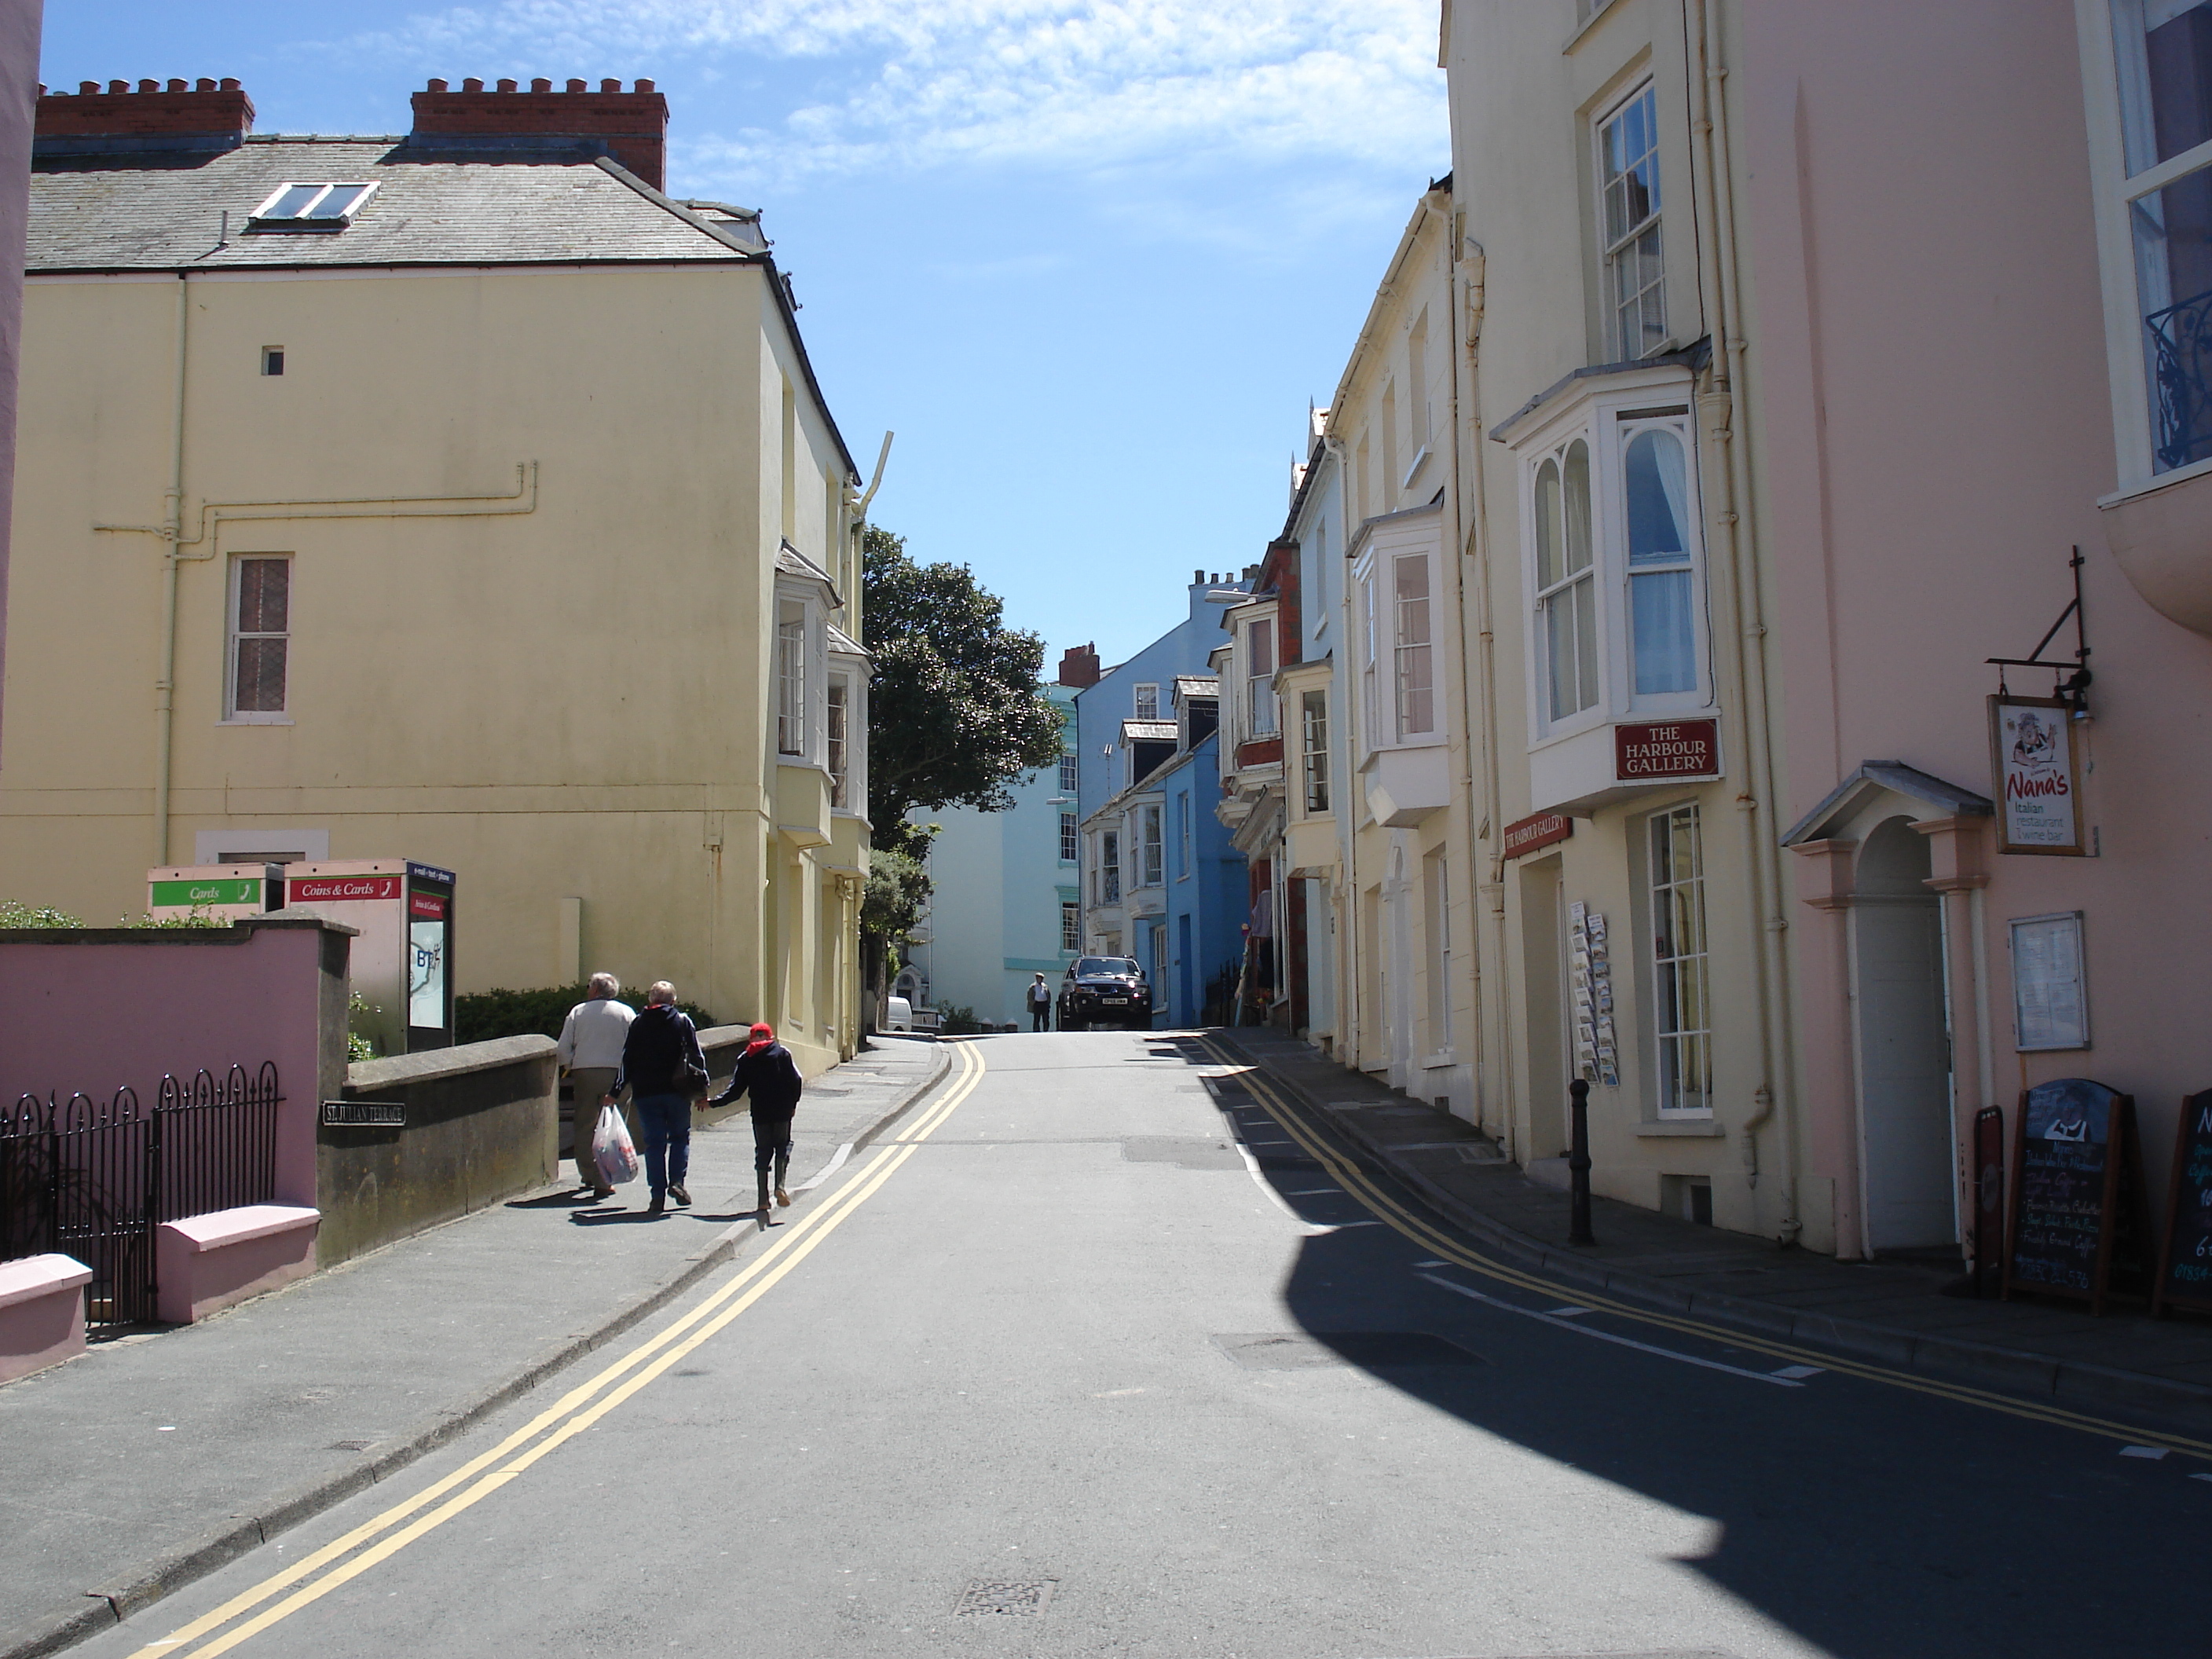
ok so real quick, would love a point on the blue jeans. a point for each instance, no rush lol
(665, 1123)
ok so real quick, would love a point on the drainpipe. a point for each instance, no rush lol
(1469, 274)
(172, 530)
(1350, 1007)
(1717, 279)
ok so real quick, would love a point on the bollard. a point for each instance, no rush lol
(1578, 1166)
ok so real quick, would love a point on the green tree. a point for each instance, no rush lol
(955, 712)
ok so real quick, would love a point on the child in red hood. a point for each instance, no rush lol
(767, 1072)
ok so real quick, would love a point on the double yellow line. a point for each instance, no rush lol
(346, 1557)
(1294, 1123)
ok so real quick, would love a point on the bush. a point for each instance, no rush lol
(16, 914)
(958, 1021)
(480, 1016)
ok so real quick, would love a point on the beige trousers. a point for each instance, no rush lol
(591, 1083)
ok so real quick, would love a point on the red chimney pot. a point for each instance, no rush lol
(576, 86)
(472, 85)
(541, 84)
(437, 86)
(610, 86)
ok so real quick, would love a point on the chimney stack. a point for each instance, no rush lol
(208, 115)
(1078, 667)
(631, 127)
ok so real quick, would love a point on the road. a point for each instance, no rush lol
(1093, 1334)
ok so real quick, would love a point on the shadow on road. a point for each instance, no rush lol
(1877, 1521)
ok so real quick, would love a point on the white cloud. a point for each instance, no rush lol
(1051, 82)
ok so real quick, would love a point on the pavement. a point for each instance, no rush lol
(1101, 1352)
(157, 1457)
(1901, 1314)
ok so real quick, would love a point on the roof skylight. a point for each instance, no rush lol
(311, 207)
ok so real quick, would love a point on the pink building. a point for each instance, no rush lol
(1896, 306)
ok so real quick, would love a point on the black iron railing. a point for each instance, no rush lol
(2181, 347)
(92, 1180)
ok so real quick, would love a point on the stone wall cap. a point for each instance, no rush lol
(397, 1071)
(35, 1276)
(217, 1228)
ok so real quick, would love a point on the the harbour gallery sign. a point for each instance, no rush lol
(2039, 785)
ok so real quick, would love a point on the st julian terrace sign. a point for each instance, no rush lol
(1653, 750)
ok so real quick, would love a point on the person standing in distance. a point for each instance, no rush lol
(661, 1041)
(768, 1071)
(1040, 999)
(591, 1053)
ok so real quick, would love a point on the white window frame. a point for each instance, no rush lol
(1374, 578)
(1613, 251)
(1259, 684)
(1313, 753)
(1071, 928)
(837, 739)
(1607, 421)
(791, 680)
(1109, 866)
(1183, 834)
(1070, 771)
(1143, 692)
(1666, 1029)
(232, 714)
(2114, 193)
(1071, 842)
(1151, 845)
(261, 219)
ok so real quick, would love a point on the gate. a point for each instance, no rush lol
(92, 1180)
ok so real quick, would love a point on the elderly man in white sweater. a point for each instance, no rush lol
(591, 1054)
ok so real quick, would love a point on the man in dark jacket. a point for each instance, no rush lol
(661, 1041)
(768, 1071)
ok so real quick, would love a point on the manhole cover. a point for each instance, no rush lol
(1271, 1351)
(1016, 1598)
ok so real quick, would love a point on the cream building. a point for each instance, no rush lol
(1345, 712)
(457, 496)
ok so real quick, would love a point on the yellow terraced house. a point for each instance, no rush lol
(456, 496)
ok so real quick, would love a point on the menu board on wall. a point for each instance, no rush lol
(1597, 1051)
(2039, 788)
(2185, 1265)
(2076, 1186)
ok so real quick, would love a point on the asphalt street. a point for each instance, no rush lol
(1101, 1350)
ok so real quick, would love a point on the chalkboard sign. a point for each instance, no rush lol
(2075, 1192)
(2184, 1267)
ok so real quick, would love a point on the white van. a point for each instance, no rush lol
(899, 1016)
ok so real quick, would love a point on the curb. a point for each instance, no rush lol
(220, 1546)
(2065, 1383)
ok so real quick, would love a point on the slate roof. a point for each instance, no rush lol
(433, 206)
(1149, 731)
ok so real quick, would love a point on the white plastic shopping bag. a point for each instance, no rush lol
(612, 1151)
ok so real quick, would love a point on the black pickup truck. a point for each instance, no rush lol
(1105, 991)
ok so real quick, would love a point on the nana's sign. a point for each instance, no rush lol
(1652, 749)
(2039, 787)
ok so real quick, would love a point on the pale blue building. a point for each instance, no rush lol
(1006, 895)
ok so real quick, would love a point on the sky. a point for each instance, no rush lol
(1090, 261)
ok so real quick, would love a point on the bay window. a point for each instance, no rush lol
(1151, 849)
(1313, 709)
(1414, 661)
(2154, 185)
(1615, 563)
(1260, 675)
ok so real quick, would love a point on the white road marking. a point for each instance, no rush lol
(1607, 1336)
(1570, 1311)
(2201, 1477)
(1315, 1192)
(828, 1170)
(1799, 1373)
(1432, 1264)
(2152, 1452)
(1252, 1169)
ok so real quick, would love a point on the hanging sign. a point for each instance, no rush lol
(1651, 751)
(2077, 1183)
(2184, 1266)
(2039, 788)
(1541, 830)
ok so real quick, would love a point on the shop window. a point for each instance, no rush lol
(1682, 1022)
(260, 638)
